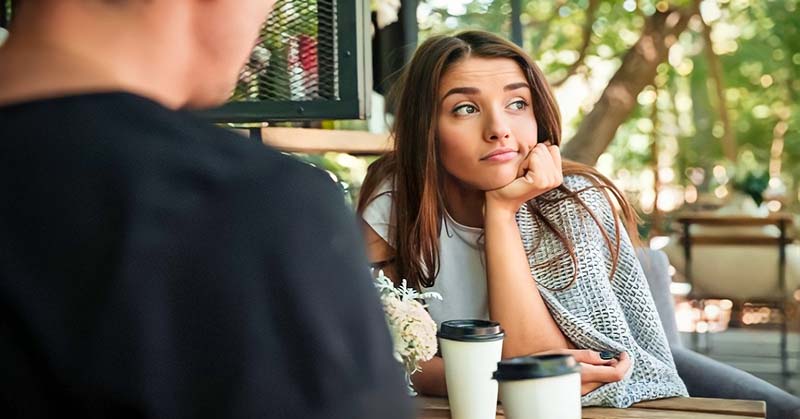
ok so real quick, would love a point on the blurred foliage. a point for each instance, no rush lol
(347, 171)
(757, 44)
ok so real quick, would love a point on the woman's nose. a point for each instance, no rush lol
(497, 127)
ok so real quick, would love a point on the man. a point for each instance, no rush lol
(152, 265)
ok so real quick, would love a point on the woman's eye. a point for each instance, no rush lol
(518, 105)
(464, 110)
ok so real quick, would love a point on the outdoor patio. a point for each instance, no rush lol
(689, 107)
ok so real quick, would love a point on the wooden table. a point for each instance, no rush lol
(674, 408)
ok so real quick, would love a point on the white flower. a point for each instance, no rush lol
(412, 329)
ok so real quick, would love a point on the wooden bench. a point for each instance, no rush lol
(311, 140)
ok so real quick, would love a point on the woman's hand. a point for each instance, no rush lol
(539, 172)
(596, 371)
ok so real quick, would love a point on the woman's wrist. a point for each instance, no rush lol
(499, 211)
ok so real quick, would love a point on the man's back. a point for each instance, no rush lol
(155, 267)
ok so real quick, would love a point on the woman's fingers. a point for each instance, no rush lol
(546, 172)
(524, 165)
(595, 369)
(555, 154)
(587, 356)
(539, 172)
(606, 373)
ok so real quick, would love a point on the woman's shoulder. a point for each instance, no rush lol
(378, 210)
(578, 181)
(574, 184)
(580, 192)
(382, 195)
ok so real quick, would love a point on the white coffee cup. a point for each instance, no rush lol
(471, 350)
(540, 387)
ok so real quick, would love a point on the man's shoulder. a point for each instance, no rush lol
(282, 178)
(225, 153)
(132, 140)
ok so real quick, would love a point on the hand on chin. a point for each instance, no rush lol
(538, 173)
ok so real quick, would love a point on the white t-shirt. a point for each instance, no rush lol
(462, 269)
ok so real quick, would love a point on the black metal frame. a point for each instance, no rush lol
(355, 80)
(516, 23)
(5, 15)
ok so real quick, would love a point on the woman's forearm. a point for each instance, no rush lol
(430, 380)
(514, 300)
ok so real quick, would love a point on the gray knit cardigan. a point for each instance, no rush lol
(598, 312)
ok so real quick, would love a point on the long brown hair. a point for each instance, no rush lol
(414, 169)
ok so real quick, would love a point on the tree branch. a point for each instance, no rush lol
(591, 15)
(638, 70)
(545, 27)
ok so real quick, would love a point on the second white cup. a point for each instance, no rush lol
(545, 386)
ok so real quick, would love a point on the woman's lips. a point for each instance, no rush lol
(501, 156)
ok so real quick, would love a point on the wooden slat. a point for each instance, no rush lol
(734, 220)
(432, 403)
(445, 414)
(746, 408)
(438, 408)
(737, 240)
(673, 408)
(636, 413)
(310, 140)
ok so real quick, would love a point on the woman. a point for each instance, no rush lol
(474, 202)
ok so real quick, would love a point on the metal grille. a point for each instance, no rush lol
(296, 57)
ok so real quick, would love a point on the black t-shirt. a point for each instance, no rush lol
(153, 265)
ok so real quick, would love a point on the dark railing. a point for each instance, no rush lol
(312, 62)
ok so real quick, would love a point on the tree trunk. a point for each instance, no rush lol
(654, 149)
(638, 70)
(715, 68)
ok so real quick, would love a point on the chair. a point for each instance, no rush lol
(745, 261)
(703, 376)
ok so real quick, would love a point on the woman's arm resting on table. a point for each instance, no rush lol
(514, 300)
(430, 381)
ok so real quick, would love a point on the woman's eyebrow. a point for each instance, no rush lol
(475, 90)
(515, 86)
(463, 90)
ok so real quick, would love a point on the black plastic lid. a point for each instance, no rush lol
(470, 330)
(536, 366)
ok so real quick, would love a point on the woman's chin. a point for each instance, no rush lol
(498, 182)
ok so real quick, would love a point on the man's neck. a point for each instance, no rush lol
(58, 58)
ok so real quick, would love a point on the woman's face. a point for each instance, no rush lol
(486, 124)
